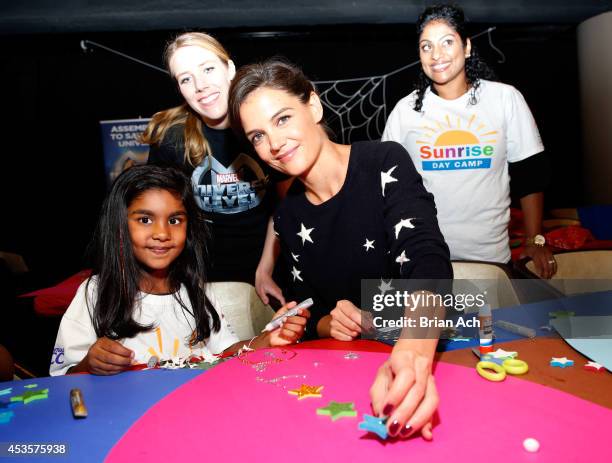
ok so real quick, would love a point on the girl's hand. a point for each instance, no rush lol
(106, 357)
(264, 285)
(292, 328)
(345, 323)
(404, 390)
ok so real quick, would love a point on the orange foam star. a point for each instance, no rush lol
(306, 391)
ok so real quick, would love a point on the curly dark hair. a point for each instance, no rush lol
(475, 67)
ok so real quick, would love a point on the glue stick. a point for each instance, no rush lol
(485, 330)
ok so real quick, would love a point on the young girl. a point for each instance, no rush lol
(357, 212)
(148, 295)
(467, 135)
(234, 188)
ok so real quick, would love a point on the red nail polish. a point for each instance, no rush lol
(406, 430)
(387, 410)
(393, 428)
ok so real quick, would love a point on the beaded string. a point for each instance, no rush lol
(278, 381)
(259, 366)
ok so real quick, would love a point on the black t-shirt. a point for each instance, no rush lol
(235, 189)
(381, 224)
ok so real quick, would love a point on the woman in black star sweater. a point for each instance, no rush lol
(359, 211)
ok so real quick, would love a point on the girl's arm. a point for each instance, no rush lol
(289, 333)
(264, 284)
(77, 347)
(75, 336)
(105, 357)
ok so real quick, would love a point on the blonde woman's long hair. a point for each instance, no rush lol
(196, 145)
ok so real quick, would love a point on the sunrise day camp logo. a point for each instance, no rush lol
(450, 146)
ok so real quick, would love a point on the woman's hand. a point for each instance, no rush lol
(105, 357)
(543, 259)
(265, 285)
(405, 391)
(292, 328)
(345, 322)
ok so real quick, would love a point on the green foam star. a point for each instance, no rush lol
(30, 396)
(30, 386)
(337, 410)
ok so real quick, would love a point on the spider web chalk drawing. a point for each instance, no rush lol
(358, 107)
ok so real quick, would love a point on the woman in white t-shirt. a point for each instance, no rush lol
(466, 134)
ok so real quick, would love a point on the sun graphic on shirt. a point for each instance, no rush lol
(160, 345)
(457, 131)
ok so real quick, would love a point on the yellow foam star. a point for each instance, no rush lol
(306, 391)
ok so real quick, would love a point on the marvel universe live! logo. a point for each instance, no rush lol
(229, 189)
(230, 197)
(455, 148)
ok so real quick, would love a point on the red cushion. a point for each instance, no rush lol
(56, 299)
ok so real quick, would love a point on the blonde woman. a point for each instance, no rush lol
(232, 185)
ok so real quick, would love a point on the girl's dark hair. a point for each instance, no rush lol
(475, 67)
(117, 271)
(274, 73)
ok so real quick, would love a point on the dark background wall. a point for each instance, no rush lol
(54, 94)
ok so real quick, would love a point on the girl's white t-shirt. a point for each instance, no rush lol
(173, 326)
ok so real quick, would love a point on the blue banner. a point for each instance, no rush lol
(122, 148)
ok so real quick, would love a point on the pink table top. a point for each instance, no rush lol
(226, 414)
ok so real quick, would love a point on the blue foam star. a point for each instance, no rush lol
(5, 417)
(374, 424)
(561, 362)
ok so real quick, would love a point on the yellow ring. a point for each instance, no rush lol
(484, 367)
(515, 366)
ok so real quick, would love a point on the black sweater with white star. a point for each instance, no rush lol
(381, 224)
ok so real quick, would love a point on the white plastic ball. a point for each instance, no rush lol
(531, 445)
